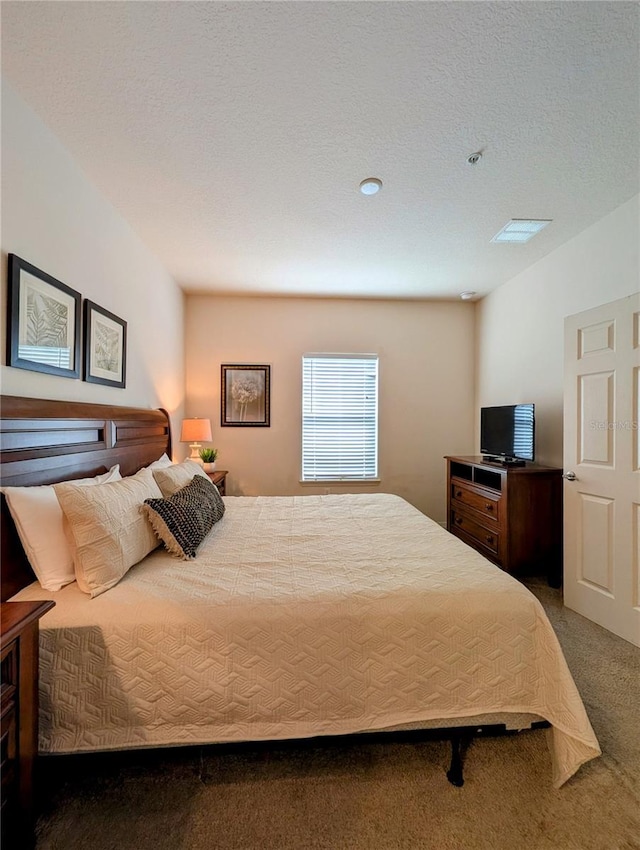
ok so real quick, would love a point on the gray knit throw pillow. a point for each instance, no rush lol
(184, 520)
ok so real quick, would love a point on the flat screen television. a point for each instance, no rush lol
(507, 433)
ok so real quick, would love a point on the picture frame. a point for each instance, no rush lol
(105, 347)
(43, 321)
(245, 396)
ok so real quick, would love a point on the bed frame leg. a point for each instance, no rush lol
(454, 774)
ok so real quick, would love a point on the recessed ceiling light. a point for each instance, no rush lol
(370, 186)
(468, 294)
(521, 229)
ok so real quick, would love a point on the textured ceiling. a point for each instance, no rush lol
(233, 136)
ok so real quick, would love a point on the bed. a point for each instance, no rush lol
(301, 616)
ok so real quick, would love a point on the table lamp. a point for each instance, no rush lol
(194, 431)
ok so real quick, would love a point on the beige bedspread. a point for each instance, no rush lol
(303, 616)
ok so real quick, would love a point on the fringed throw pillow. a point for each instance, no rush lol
(183, 520)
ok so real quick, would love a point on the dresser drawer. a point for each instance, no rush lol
(8, 674)
(489, 540)
(483, 501)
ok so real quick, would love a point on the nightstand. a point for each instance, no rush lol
(219, 477)
(19, 722)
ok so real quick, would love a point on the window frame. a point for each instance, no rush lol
(335, 477)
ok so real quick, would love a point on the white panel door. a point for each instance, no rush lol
(602, 466)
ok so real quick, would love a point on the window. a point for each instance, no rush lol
(339, 417)
(523, 431)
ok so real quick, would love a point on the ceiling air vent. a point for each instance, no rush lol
(520, 229)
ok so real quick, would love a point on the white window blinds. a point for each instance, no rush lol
(523, 430)
(339, 417)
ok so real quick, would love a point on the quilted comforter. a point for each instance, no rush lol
(303, 616)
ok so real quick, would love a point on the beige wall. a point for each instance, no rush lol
(425, 385)
(55, 219)
(520, 325)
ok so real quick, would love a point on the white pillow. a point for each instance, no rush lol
(162, 462)
(39, 521)
(109, 532)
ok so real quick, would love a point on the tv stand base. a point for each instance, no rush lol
(504, 461)
(511, 514)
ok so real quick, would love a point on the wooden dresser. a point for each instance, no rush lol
(19, 722)
(511, 514)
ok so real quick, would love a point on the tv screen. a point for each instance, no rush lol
(508, 431)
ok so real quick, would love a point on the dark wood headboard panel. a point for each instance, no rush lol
(44, 441)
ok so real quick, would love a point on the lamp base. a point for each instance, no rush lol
(195, 453)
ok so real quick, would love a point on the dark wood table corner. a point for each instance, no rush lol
(219, 477)
(19, 630)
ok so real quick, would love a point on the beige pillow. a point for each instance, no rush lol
(108, 530)
(175, 477)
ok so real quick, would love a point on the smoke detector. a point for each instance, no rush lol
(370, 186)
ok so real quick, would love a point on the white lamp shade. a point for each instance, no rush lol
(196, 430)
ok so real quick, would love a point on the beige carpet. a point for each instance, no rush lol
(371, 795)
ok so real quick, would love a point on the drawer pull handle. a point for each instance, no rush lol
(458, 494)
(489, 539)
(488, 506)
(458, 520)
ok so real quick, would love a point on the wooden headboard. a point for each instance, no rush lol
(44, 441)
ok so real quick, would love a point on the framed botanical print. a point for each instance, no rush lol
(245, 395)
(43, 333)
(105, 346)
